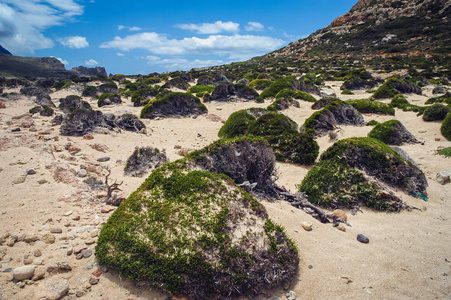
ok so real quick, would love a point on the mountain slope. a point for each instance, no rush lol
(380, 28)
(4, 51)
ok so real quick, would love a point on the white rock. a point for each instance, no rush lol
(54, 289)
(82, 173)
(444, 176)
(25, 272)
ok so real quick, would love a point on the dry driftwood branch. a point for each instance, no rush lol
(300, 201)
(111, 187)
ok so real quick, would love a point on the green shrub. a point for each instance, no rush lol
(46, 111)
(259, 84)
(441, 99)
(372, 123)
(445, 152)
(63, 84)
(301, 95)
(391, 132)
(236, 125)
(347, 92)
(272, 124)
(277, 86)
(446, 127)
(401, 102)
(435, 112)
(200, 90)
(368, 106)
(386, 90)
(190, 104)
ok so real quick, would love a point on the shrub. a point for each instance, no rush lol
(445, 152)
(301, 95)
(90, 91)
(386, 90)
(446, 127)
(173, 105)
(259, 84)
(143, 160)
(272, 124)
(435, 112)
(401, 102)
(368, 106)
(340, 178)
(236, 125)
(200, 90)
(347, 92)
(392, 132)
(46, 111)
(441, 99)
(372, 123)
(141, 97)
(277, 86)
(108, 98)
(63, 84)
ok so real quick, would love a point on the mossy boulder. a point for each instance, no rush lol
(392, 132)
(446, 98)
(73, 102)
(81, 121)
(233, 92)
(108, 99)
(109, 87)
(374, 107)
(90, 91)
(288, 82)
(282, 103)
(394, 86)
(195, 233)
(236, 125)
(127, 122)
(142, 96)
(335, 113)
(259, 84)
(173, 105)
(47, 111)
(435, 112)
(273, 124)
(446, 127)
(361, 171)
(401, 102)
(357, 83)
(178, 83)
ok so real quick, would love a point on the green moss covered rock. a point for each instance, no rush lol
(173, 105)
(373, 107)
(435, 112)
(446, 127)
(360, 171)
(278, 85)
(195, 233)
(392, 133)
(236, 125)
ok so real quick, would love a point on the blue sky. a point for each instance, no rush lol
(141, 37)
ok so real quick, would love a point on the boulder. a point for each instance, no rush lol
(174, 105)
(22, 273)
(54, 289)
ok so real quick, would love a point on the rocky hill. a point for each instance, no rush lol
(4, 51)
(380, 28)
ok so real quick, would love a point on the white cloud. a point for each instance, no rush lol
(65, 62)
(120, 54)
(74, 42)
(91, 62)
(181, 63)
(243, 45)
(23, 21)
(254, 26)
(211, 28)
(132, 28)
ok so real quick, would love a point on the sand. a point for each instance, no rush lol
(408, 256)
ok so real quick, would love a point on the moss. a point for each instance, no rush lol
(309, 124)
(277, 86)
(272, 124)
(63, 84)
(372, 123)
(386, 90)
(200, 90)
(158, 102)
(401, 102)
(236, 125)
(347, 92)
(383, 131)
(259, 84)
(339, 179)
(441, 99)
(35, 109)
(46, 111)
(175, 232)
(445, 129)
(368, 106)
(435, 112)
(445, 152)
(288, 94)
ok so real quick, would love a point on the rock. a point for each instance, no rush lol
(90, 242)
(291, 295)
(39, 273)
(28, 282)
(20, 179)
(79, 256)
(68, 213)
(64, 266)
(308, 226)
(20, 284)
(15, 129)
(99, 147)
(101, 194)
(78, 249)
(82, 173)
(94, 234)
(30, 171)
(56, 230)
(103, 159)
(10, 242)
(93, 281)
(97, 273)
(341, 214)
(69, 251)
(7, 270)
(73, 149)
(48, 238)
(22, 273)
(31, 238)
(444, 176)
(341, 227)
(107, 208)
(42, 181)
(89, 266)
(79, 293)
(86, 253)
(363, 239)
(81, 229)
(55, 289)
(28, 261)
(88, 136)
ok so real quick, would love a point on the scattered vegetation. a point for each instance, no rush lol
(435, 112)
(143, 160)
(445, 152)
(173, 105)
(368, 106)
(446, 127)
(392, 132)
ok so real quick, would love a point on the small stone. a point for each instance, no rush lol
(88, 136)
(78, 249)
(97, 273)
(76, 218)
(69, 251)
(30, 171)
(341, 214)
(15, 129)
(20, 179)
(101, 194)
(444, 176)
(48, 238)
(81, 229)
(10, 242)
(28, 282)
(341, 227)
(38, 274)
(42, 181)
(107, 209)
(55, 289)
(25, 272)
(308, 226)
(89, 266)
(94, 234)
(79, 256)
(103, 159)
(73, 149)
(363, 239)
(7, 270)
(28, 261)
(90, 242)
(20, 284)
(31, 238)
(82, 173)
(79, 293)
(99, 147)
(93, 281)
(64, 266)
(56, 230)
(68, 213)
(86, 253)
(38, 261)
(310, 267)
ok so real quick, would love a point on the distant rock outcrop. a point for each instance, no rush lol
(84, 71)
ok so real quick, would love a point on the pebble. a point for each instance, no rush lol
(64, 266)
(55, 288)
(42, 181)
(79, 256)
(107, 209)
(94, 234)
(341, 227)
(97, 273)
(81, 229)
(28, 261)
(30, 171)
(48, 238)
(93, 281)
(90, 242)
(78, 249)
(38, 274)
(308, 226)
(103, 159)
(38, 261)
(7, 270)
(20, 284)
(89, 266)
(341, 214)
(24, 272)
(31, 238)
(86, 253)
(69, 251)
(68, 213)
(56, 230)
(82, 173)
(37, 252)
(15, 129)
(363, 239)
(20, 179)
(291, 295)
